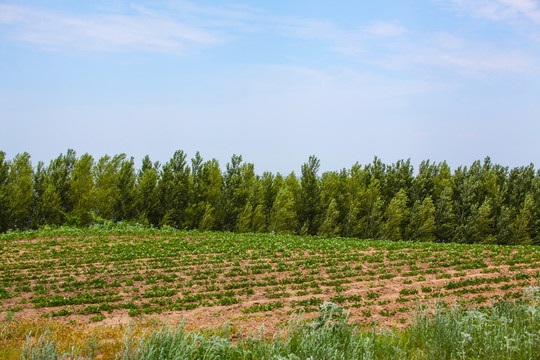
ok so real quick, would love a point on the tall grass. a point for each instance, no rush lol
(504, 330)
(46, 347)
(509, 330)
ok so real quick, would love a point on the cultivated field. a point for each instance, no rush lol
(105, 277)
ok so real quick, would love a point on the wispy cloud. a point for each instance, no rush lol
(180, 27)
(500, 10)
(452, 52)
(441, 51)
(391, 46)
(382, 28)
(173, 28)
(142, 31)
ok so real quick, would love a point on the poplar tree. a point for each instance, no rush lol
(399, 176)
(478, 228)
(48, 207)
(520, 182)
(205, 189)
(423, 184)
(205, 193)
(396, 216)
(445, 218)
(244, 219)
(231, 203)
(514, 224)
(196, 206)
(374, 220)
(258, 221)
(59, 171)
(147, 203)
(237, 185)
(174, 190)
(4, 205)
(465, 201)
(535, 212)
(106, 193)
(212, 184)
(82, 192)
(125, 183)
(330, 226)
(442, 180)
(20, 195)
(421, 225)
(270, 188)
(376, 170)
(368, 210)
(207, 220)
(334, 186)
(257, 200)
(310, 196)
(283, 219)
(39, 183)
(356, 185)
(350, 223)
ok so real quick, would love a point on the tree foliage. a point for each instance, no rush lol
(396, 217)
(483, 203)
(310, 196)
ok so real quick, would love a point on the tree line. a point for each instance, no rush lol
(483, 203)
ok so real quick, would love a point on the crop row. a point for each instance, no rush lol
(178, 271)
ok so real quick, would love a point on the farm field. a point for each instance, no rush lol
(95, 277)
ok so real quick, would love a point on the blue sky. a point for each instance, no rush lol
(274, 81)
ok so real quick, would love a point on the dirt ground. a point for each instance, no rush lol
(382, 302)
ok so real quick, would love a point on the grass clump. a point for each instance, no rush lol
(42, 348)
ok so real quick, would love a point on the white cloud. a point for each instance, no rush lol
(172, 29)
(449, 51)
(184, 25)
(142, 31)
(393, 47)
(306, 28)
(381, 28)
(477, 62)
(500, 10)
(443, 51)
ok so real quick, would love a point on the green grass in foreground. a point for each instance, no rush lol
(505, 330)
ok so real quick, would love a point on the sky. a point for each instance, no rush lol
(273, 81)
